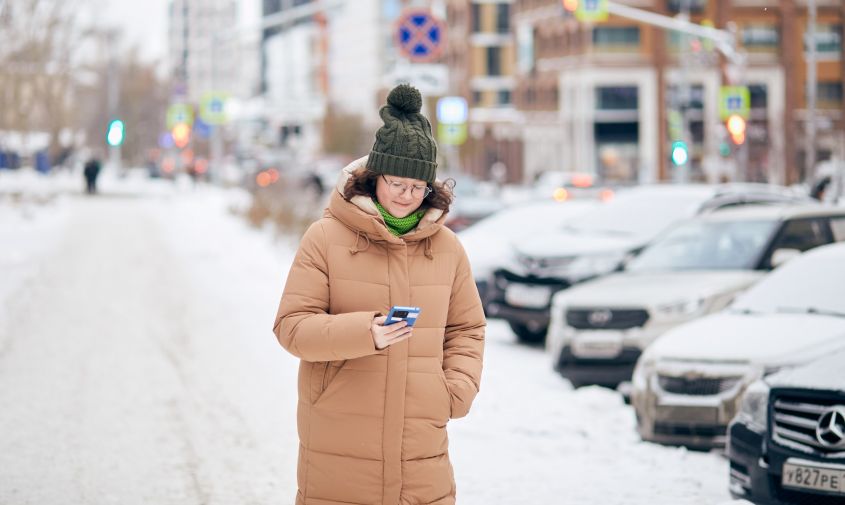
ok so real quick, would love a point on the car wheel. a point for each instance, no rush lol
(527, 335)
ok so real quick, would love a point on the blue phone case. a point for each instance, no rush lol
(408, 314)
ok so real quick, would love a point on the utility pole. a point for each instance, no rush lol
(810, 132)
(113, 96)
(683, 94)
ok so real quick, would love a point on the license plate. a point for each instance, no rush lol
(597, 344)
(799, 474)
(521, 295)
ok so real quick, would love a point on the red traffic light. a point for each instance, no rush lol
(570, 5)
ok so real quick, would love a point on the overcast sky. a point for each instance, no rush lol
(144, 23)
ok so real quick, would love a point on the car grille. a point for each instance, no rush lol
(690, 430)
(794, 497)
(794, 420)
(698, 386)
(606, 319)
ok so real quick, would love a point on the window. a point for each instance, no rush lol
(674, 6)
(760, 38)
(503, 18)
(504, 97)
(829, 93)
(494, 61)
(476, 18)
(616, 36)
(828, 39)
(837, 227)
(617, 98)
(476, 97)
(759, 96)
(801, 234)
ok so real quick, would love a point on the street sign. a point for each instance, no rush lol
(452, 134)
(179, 113)
(419, 35)
(452, 110)
(213, 108)
(591, 11)
(734, 100)
(429, 78)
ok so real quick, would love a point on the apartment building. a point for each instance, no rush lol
(481, 60)
(603, 97)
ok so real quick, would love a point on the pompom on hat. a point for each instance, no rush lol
(404, 146)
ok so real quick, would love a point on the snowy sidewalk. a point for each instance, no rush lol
(138, 366)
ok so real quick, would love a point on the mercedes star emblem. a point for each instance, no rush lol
(830, 431)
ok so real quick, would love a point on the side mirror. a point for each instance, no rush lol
(781, 256)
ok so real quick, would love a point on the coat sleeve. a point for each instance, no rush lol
(303, 325)
(463, 348)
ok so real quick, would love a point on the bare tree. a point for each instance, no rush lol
(37, 43)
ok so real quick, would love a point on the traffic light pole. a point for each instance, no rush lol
(724, 40)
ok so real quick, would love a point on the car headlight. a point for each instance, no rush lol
(755, 404)
(683, 308)
(642, 371)
(594, 265)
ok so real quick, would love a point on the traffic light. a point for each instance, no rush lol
(115, 134)
(680, 153)
(736, 127)
(570, 5)
(181, 135)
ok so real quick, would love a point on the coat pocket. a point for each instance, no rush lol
(324, 375)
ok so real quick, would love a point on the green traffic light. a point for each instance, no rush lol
(680, 153)
(115, 135)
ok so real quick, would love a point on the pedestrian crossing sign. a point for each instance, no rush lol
(592, 11)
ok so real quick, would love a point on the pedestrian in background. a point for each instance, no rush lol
(374, 399)
(91, 172)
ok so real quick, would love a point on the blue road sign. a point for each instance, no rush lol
(419, 35)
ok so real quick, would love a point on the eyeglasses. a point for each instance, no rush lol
(398, 189)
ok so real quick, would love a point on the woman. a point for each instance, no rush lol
(374, 400)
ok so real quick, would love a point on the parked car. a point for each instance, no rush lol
(787, 444)
(688, 384)
(599, 241)
(600, 328)
(474, 200)
(489, 242)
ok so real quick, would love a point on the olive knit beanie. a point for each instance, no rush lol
(404, 146)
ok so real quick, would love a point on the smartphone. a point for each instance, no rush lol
(407, 314)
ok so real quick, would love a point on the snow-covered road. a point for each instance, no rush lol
(137, 366)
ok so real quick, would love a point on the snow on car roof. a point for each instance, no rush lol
(773, 212)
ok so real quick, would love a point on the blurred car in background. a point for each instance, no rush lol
(562, 186)
(599, 241)
(488, 242)
(474, 200)
(787, 443)
(688, 385)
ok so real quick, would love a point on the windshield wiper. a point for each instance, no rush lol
(809, 310)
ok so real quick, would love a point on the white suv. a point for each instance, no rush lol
(600, 328)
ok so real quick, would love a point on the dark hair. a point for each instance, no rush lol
(363, 182)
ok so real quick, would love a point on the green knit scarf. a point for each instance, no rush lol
(400, 225)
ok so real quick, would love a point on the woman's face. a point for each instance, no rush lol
(400, 196)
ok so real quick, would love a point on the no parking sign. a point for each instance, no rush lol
(419, 35)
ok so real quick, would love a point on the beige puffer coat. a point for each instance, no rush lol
(372, 424)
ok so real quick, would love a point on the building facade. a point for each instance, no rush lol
(481, 60)
(609, 98)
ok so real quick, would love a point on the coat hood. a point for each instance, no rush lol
(361, 215)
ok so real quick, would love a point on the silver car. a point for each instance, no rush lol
(688, 385)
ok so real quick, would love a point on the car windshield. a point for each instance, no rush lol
(637, 214)
(811, 283)
(706, 245)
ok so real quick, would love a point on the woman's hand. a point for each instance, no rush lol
(384, 336)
